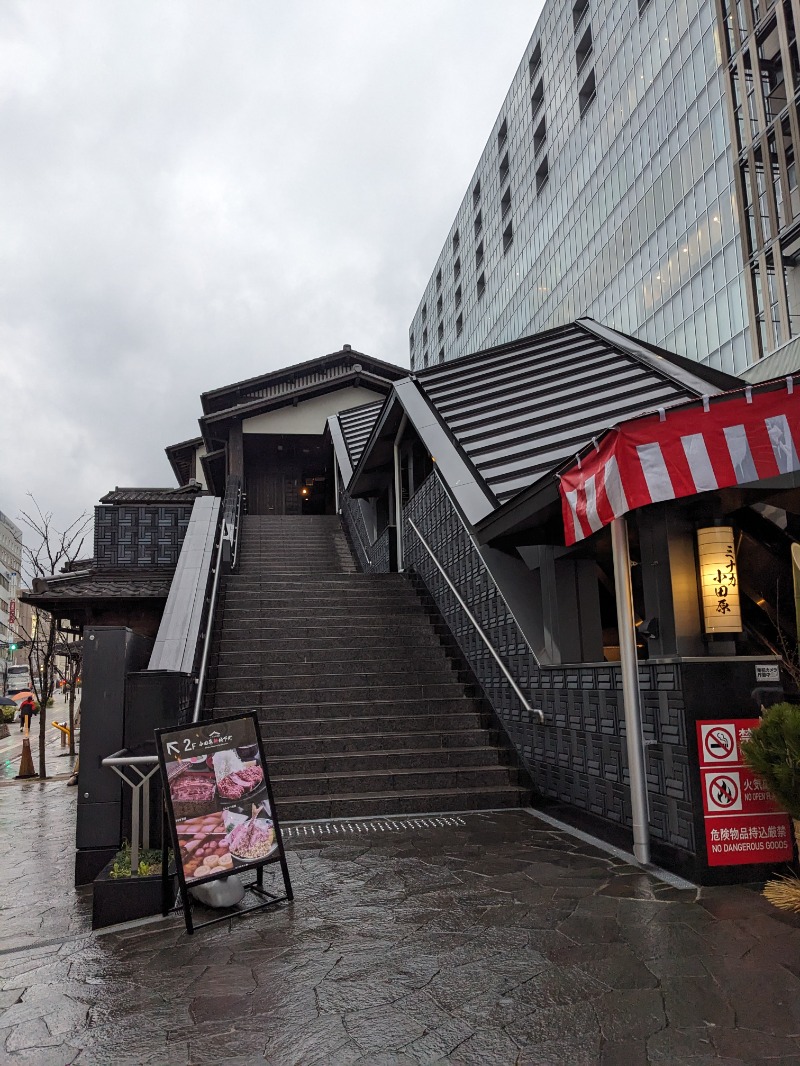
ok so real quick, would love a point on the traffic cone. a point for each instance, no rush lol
(26, 762)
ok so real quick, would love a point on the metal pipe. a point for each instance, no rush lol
(630, 689)
(335, 483)
(398, 492)
(238, 526)
(520, 694)
(201, 678)
(118, 759)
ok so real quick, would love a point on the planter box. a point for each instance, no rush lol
(4, 730)
(124, 899)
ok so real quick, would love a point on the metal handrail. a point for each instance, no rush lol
(520, 694)
(237, 525)
(140, 799)
(212, 606)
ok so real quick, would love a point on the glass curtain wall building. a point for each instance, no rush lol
(609, 187)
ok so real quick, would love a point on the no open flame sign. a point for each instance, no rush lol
(743, 824)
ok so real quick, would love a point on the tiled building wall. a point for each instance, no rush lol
(578, 757)
(136, 536)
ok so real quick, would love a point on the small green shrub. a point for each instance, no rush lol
(149, 862)
(8, 713)
(773, 751)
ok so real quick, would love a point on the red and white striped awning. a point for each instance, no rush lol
(719, 441)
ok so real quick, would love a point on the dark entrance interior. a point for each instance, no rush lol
(288, 474)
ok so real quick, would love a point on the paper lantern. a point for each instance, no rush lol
(719, 580)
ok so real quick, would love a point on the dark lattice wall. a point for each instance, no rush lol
(578, 756)
(139, 535)
(357, 532)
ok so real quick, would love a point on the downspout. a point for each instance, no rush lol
(398, 492)
(335, 483)
(630, 689)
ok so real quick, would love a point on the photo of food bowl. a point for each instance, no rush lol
(250, 838)
(193, 792)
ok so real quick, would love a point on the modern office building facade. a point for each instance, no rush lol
(618, 183)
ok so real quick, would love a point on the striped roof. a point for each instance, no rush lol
(357, 425)
(519, 411)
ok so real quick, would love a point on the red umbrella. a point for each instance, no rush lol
(20, 697)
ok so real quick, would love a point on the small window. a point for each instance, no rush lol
(425, 357)
(479, 255)
(476, 193)
(424, 312)
(583, 49)
(441, 355)
(542, 174)
(439, 307)
(438, 280)
(425, 336)
(508, 237)
(457, 269)
(537, 99)
(539, 137)
(441, 332)
(579, 9)
(502, 135)
(481, 286)
(643, 6)
(459, 325)
(587, 92)
(535, 62)
(504, 169)
(505, 203)
(478, 223)
(458, 296)
(411, 341)
(456, 241)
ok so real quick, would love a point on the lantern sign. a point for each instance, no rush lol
(719, 581)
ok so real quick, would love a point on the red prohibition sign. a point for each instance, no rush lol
(722, 791)
(718, 743)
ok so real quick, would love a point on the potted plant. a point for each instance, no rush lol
(6, 718)
(773, 752)
(123, 895)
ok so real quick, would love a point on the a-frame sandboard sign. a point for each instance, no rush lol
(220, 812)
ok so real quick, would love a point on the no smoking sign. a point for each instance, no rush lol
(718, 744)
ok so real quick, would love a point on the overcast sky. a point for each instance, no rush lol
(194, 192)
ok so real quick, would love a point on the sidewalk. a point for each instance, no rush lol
(477, 939)
(59, 763)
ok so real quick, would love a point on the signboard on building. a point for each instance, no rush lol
(742, 822)
(219, 802)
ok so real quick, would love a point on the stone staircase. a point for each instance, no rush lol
(361, 711)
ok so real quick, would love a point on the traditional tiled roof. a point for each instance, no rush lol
(153, 496)
(101, 584)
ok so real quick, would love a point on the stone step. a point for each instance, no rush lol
(406, 633)
(395, 780)
(233, 690)
(383, 761)
(345, 672)
(351, 615)
(349, 805)
(432, 706)
(272, 642)
(367, 723)
(256, 595)
(444, 741)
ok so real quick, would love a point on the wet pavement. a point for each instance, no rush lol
(480, 939)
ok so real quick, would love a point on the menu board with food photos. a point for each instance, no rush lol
(219, 799)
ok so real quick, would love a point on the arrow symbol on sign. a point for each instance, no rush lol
(172, 747)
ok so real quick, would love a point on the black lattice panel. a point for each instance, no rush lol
(579, 757)
(134, 536)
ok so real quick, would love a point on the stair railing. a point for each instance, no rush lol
(477, 626)
(227, 551)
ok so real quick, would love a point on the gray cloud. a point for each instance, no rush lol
(195, 192)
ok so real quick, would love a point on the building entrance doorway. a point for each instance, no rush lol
(288, 474)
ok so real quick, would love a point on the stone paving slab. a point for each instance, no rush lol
(498, 941)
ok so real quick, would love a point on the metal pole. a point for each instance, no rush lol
(398, 493)
(335, 484)
(630, 688)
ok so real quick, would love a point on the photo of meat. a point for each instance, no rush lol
(236, 780)
(193, 793)
(204, 847)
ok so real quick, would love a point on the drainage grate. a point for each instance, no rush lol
(374, 825)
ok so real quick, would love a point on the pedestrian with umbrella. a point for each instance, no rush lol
(26, 711)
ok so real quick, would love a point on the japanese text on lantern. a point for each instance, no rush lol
(719, 582)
